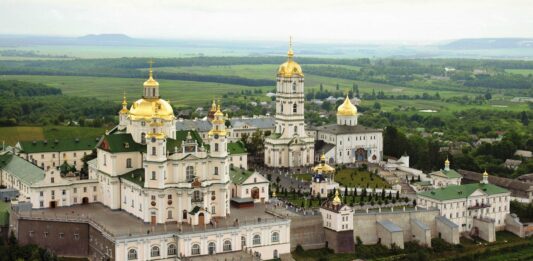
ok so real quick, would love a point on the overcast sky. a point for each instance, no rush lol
(307, 20)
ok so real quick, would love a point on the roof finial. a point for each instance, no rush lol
(151, 62)
(290, 53)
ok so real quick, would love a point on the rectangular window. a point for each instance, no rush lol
(84, 189)
(75, 190)
(75, 200)
(153, 175)
(61, 235)
(76, 236)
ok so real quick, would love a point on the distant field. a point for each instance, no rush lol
(524, 72)
(442, 107)
(10, 135)
(111, 89)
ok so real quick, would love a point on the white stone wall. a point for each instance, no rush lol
(184, 242)
(47, 160)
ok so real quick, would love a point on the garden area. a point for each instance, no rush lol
(360, 177)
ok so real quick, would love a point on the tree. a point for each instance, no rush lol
(397, 194)
(321, 87)
(337, 87)
(524, 118)
(376, 106)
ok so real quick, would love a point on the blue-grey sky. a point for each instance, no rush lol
(420, 21)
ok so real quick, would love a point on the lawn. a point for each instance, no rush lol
(13, 134)
(357, 178)
(524, 72)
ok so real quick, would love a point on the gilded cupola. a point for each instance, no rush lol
(290, 68)
(347, 108)
(151, 106)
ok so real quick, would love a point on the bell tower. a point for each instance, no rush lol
(217, 135)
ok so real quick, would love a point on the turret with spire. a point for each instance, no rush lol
(123, 113)
(485, 179)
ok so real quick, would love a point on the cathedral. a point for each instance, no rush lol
(147, 168)
(347, 141)
(289, 145)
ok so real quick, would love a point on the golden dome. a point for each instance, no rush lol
(290, 67)
(447, 162)
(219, 112)
(148, 109)
(337, 199)
(347, 108)
(485, 174)
(151, 82)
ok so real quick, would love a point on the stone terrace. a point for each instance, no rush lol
(118, 223)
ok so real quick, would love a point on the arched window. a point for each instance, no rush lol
(153, 151)
(216, 170)
(155, 251)
(293, 86)
(171, 250)
(294, 108)
(143, 137)
(170, 214)
(276, 255)
(189, 173)
(216, 147)
(243, 241)
(195, 249)
(227, 245)
(184, 217)
(295, 129)
(211, 248)
(281, 107)
(128, 163)
(275, 237)
(257, 240)
(132, 254)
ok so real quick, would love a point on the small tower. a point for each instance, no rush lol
(151, 86)
(323, 181)
(123, 113)
(447, 165)
(156, 142)
(338, 223)
(212, 111)
(485, 179)
(217, 135)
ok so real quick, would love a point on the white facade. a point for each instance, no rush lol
(462, 204)
(267, 239)
(254, 187)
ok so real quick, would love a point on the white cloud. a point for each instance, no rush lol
(328, 20)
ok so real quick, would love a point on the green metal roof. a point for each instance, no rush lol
(136, 176)
(450, 174)
(462, 191)
(238, 176)
(58, 145)
(19, 167)
(236, 148)
(120, 142)
(123, 142)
